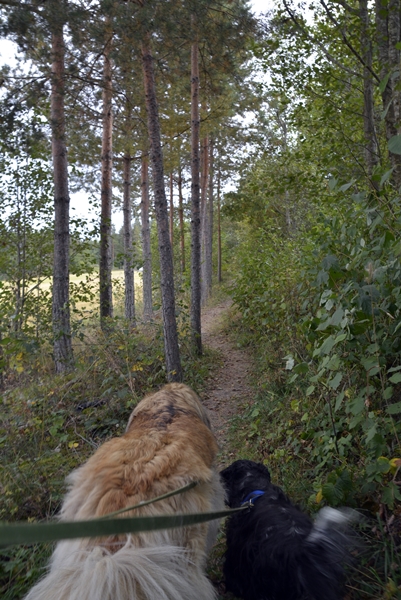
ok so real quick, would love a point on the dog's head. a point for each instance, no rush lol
(243, 477)
(171, 399)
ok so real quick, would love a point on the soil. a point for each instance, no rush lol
(226, 391)
(228, 388)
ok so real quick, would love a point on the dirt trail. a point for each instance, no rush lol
(229, 386)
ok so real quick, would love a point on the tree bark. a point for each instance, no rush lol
(128, 248)
(204, 217)
(62, 346)
(219, 277)
(181, 217)
(173, 363)
(209, 236)
(387, 69)
(394, 56)
(105, 285)
(146, 248)
(195, 205)
(371, 146)
(171, 215)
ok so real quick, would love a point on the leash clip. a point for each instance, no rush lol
(249, 500)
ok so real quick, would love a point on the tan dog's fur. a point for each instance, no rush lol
(168, 443)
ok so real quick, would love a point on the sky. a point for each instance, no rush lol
(79, 201)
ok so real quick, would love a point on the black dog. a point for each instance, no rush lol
(274, 550)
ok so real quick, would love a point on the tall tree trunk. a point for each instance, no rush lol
(171, 216)
(181, 217)
(106, 294)
(385, 13)
(62, 346)
(204, 216)
(195, 205)
(209, 236)
(146, 247)
(128, 248)
(394, 57)
(371, 146)
(173, 363)
(219, 277)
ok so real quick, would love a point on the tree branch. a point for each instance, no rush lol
(318, 44)
(347, 42)
(348, 7)
(16, 4)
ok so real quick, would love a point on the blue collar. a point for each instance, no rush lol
(250, 498)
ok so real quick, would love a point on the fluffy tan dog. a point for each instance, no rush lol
(168, 443)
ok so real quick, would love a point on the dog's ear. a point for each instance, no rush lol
(226, 475)
(264, 471)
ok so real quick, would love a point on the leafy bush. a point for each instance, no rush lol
(330, 300)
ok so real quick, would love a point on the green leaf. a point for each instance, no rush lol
(386, 176)
(340, 338)
(337, 317)
(332, 183)
(390, 494)
(339, 400)
(394, 409)
(371, 365)
(384, 82)
(310, 390)
(371, 433)
(388, 392)
(396, 378)
(346, 186)
(330, 261)
(394, 144)
(301, 368)
(357, 405)
(355, 421)
(326, 347)
(335, 382)
(334, 362)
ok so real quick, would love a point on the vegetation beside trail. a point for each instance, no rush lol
(50, 424)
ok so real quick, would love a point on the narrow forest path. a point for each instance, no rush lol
(229, 386)
(227, 389)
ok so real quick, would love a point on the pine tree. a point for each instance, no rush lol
(146, 247)
(105, 264)
(173, 363)
(63, 356)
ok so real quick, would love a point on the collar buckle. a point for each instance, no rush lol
(251, 497)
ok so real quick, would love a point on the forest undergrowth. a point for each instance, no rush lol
(321, 311)
(271, 429)
(50, 424)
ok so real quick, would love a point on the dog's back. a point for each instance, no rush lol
(274, 550)
(168, 444)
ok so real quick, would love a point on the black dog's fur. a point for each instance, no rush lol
(274, 551)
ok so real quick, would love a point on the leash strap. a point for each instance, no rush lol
(180, 490)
